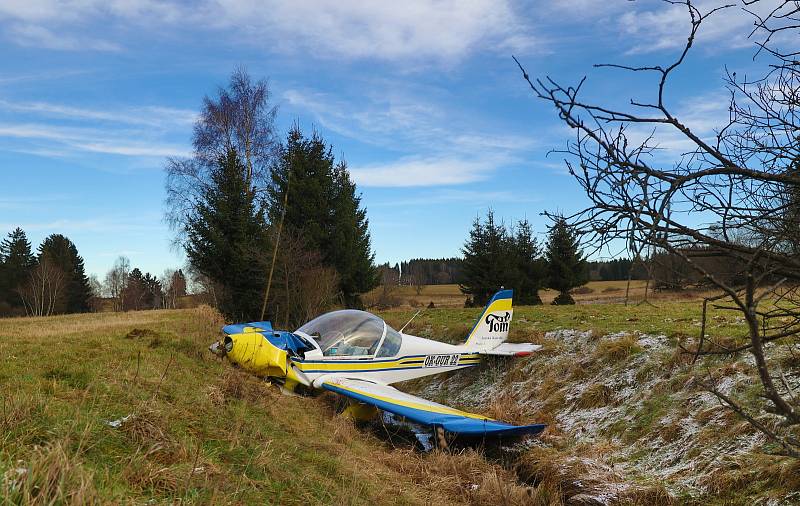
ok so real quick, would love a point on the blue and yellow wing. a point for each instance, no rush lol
(424, 411)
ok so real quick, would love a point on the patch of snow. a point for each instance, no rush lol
(653, 341)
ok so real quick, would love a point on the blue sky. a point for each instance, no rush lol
(420, 97)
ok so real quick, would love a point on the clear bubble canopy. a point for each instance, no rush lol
(350, 332)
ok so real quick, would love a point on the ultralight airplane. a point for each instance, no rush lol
(356, 354)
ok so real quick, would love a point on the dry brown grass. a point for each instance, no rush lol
(464, 476)
(53, 475)
(235, 384)
(145, 475)
(595, 396)
(506, 408)
(560, 477)
(771, 472)
(620, 348)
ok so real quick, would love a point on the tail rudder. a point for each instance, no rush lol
(491, 329)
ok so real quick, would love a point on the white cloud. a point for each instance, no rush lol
(440, 147)
(148, 115)
(703, 115)
(451, 195)
(406, 121)
(78, 10)
(39, 36)
(92, 140)
(137, 132)
(660, 26)
(439, 30)
(414, 29)
(29, 201)
(409, 172)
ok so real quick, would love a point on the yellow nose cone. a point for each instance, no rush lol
(255, 354)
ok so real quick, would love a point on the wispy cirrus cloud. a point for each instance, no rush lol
(439, 150)
(41, 37)
(16, 202)
(436, 30)
(662, 26)
(408, 172)
(146, 115)
(75, 139)
(453, 195)
(57, 130)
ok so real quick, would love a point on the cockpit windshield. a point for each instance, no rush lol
(347, 333)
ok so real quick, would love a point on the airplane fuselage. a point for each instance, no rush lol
(416, 358)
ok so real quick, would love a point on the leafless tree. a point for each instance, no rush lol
(418, 282)
(303, 287)
(202, 287)
(44, 286)
(96, 302)
(386, 294)
(174, 286)
(743, 182)
(241, 117)
(116, 281)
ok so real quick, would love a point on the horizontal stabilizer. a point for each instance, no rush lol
(513, 349)
(243, 328)
(423, 411)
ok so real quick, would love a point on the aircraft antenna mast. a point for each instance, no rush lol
(277, 240)
(409, 321)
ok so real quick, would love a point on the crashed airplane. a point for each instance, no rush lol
(358, 355)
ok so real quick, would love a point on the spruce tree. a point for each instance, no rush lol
(566, 266)
(485, 260)
(135, 291)
(324, 210)
(63, 253)
(350, 246)
(528, 270)
(227, 242)
(305, 166)
(17, 262)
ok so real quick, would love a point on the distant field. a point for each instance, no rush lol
(594, 292)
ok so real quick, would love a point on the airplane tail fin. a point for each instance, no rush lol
(491, 329)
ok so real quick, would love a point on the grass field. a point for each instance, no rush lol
(190, 428)
(594, 292)
(674, 318)
(130, 407)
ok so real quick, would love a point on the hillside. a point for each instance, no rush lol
(630, 419)
(110, 407)
(101, 408)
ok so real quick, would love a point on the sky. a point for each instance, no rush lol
(422, 99)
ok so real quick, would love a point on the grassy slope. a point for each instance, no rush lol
(66, 376)
(629, 416)
(199, 431)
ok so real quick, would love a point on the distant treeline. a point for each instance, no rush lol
(616, 270)
(50, 280)
(53, 280)
(447, 271)
(426, 271)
